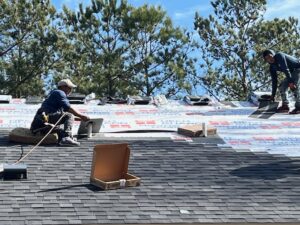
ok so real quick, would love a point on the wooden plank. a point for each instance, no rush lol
(196, 130)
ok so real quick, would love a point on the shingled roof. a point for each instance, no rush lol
(182, 182)
(247, 173)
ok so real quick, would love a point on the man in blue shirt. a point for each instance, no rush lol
(290, 66)
(53, 108)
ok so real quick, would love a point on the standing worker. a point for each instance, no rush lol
(55, 106)
(290, 66)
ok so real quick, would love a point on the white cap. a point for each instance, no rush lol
(66, 82)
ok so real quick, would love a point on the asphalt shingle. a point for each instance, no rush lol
(182, 182)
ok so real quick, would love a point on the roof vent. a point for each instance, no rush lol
(34, 100)
(5, 99)
(76, 98)
(197, 100)
(112, 100)
(138, 100)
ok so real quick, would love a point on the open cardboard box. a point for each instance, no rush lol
(110, 165)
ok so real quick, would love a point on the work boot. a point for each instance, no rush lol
(295, 111)
(68, 141)
(283, 109)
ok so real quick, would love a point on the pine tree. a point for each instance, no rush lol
(160, 54)
(231, 45)
(27, 46)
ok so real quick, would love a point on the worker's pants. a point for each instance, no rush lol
(67, 121)
(283, 88)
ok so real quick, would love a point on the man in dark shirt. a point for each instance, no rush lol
(290, 66)
(53, 108)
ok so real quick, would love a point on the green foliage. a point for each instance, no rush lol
(112, 48)
(160, 53)
(97, 52)
(109, 48)
(117, 50)
(27, 45)
(227, 46)
(233, 40)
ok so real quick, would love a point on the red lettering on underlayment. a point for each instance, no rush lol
(219, 123)
(263, 138)
(290, 124)
(7, 108)
(270, 127)
(17, 100)
(124, 113)
(120, 126)
(148, 110)
(145, 122)
(239, 142)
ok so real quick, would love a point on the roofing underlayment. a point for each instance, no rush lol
(249, 172)
(237, 124)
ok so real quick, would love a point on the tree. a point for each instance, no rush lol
(97, 51)
(231, 44)
(114, 46)
(159, 54)
(27, 46)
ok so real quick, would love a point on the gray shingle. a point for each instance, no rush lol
(182, 182)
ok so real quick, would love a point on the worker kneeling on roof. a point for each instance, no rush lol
(55, 106)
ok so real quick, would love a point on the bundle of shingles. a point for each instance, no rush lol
(197, 130)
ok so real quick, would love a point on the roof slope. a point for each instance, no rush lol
(182, 182)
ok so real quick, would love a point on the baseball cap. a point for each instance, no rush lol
(66, 82)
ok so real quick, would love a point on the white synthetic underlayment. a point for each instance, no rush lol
(280, 134)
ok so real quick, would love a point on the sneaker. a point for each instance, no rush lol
(283, 109)
(295, 111)
(68, 141)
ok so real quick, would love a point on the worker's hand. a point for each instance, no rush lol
(272, 98)
(292, 86)
(84, 118)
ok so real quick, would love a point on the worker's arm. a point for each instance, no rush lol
(282, 62)
(274, 81)
(78, 114)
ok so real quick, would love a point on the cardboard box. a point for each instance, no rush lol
(110, 166)
(196, 130)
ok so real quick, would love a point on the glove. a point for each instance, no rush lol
(272, 98)
(292, 86)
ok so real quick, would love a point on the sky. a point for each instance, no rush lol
(182, 12)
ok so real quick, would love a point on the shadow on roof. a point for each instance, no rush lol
(88, 186)
(270, 171)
